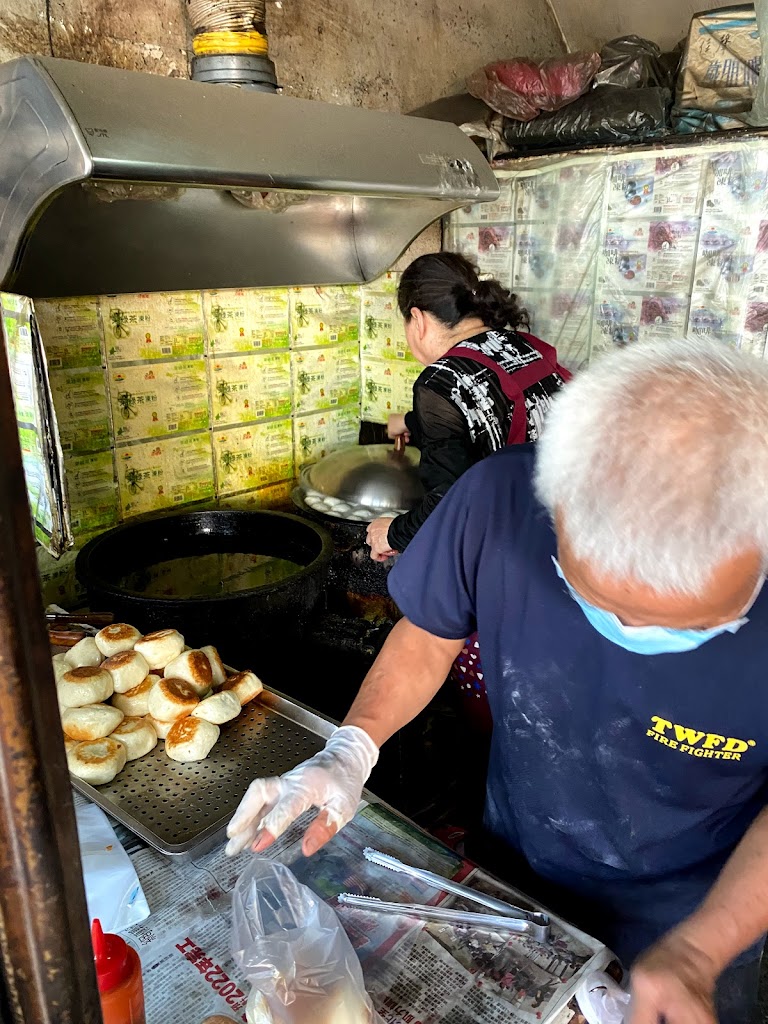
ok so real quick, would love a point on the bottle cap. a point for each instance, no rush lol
(110, 956)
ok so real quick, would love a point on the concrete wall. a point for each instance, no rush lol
(394, 56)
(587, 24)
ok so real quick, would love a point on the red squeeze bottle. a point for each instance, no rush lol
(118, 973)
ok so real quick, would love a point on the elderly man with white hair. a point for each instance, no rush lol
(615, 579)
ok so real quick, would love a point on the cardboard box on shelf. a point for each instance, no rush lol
(246, 319)
(152, 326)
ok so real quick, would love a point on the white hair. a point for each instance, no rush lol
(655, 462)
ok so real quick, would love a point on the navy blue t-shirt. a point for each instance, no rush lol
(628, 778)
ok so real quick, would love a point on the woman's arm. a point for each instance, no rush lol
(446, 453)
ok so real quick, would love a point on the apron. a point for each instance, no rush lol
(467, 670)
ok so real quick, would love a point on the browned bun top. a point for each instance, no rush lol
(231, 681)
(118, 660)
(159, 634)
(200, 668)
(81, 675)
(129, 725)
(178, 689)
(136, 691)
(97, 752)
(119, 631)
(183, 730)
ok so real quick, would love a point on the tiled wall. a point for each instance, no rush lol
(165, 399)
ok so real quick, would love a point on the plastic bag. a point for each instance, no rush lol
(521, 88)
(291, 948)
(632, 62)
(693, 122)
(112, 888)
(607, 114)
(601, 1000)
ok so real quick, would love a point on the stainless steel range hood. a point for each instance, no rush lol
(117, 181)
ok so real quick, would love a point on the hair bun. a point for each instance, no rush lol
(447, 285)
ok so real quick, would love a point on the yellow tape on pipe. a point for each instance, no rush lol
(208, 44)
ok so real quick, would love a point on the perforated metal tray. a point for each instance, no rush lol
(183, 809)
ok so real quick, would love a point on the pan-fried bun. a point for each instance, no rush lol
(116, 638)
(137, 736)
(85, 652)
(92, 722)
(98, 761)
(161, 728)
(219, 708)
(85, 685)
(160, 647)
(127, 669)
(194, 668)
(217, 665)
(191, 739)
(60, 666)
(134, 703)
(244, 685)
(171, 699)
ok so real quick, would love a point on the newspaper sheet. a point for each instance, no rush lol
(415, 974)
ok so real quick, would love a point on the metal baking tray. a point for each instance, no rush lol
(182, 809)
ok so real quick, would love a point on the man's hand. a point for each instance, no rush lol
(377, 539)
(396, 426)
(332, 781)
(673, 981)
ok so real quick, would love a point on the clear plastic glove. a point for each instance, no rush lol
(332, 781)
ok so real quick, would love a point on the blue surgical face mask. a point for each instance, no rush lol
(651, 639)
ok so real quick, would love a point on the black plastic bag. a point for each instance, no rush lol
(607, 114)
(631, 62)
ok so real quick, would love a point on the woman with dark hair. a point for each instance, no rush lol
(486, 384)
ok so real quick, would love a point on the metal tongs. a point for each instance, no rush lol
(507, 918)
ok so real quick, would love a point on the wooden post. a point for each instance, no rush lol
(45, 949)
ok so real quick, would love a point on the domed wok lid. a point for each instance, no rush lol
(372, 476)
